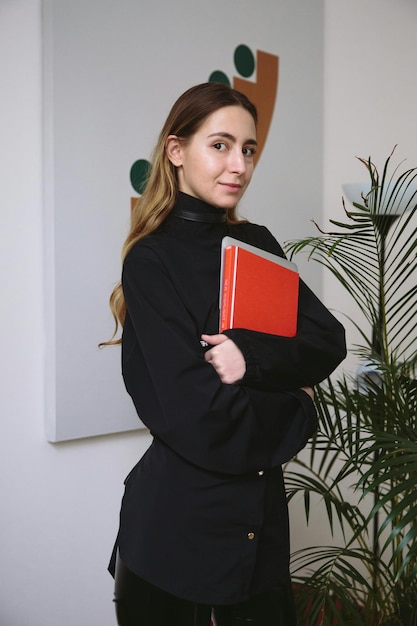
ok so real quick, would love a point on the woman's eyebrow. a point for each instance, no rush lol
(250, 142)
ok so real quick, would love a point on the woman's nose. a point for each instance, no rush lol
(237, 161)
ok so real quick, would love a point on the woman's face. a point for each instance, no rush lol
(216, 164)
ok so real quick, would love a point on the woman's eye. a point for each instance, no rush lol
(248, 151)
(220, 145)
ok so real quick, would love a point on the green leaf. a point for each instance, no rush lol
(361, 471)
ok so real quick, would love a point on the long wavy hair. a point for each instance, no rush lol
(185, 118)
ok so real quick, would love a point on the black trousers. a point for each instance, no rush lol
(139, 603)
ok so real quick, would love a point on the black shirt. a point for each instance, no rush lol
(204, 515)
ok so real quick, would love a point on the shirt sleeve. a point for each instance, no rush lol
(277, 363)
(179, 396)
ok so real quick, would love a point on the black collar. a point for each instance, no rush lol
(190, 208)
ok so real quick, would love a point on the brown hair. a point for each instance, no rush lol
(185, 118)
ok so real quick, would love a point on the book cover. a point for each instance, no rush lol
(258, 290)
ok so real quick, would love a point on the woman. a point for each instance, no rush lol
(204, 521)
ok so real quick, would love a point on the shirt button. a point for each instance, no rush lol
(251, 536)
(260, 473)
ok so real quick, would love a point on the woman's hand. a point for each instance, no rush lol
(225, 357)
(309, 391)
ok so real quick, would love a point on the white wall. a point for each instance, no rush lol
(370, 102)
(59, 502)
(369, 106)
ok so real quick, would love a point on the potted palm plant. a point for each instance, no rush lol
(361, 467)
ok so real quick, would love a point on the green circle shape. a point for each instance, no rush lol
(139, 174)
(244, 61)
(219, 77)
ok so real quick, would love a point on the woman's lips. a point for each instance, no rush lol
(232, 186)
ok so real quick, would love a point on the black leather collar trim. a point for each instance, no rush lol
(200, 216)
(190, 208)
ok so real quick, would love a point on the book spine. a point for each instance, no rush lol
(227, 288)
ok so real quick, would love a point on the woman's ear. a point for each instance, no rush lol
(173, 150)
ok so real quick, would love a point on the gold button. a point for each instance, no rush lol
(261, 473)
(251, 536)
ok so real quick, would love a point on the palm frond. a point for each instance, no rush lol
(375, 254)
(362, 462)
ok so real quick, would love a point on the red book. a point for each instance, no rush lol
(258, 290)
